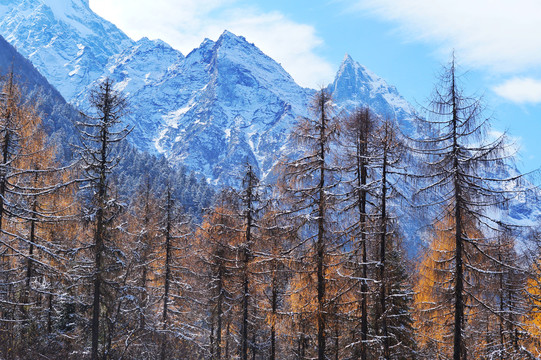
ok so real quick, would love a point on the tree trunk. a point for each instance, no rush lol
(167, 279)
(459, 351)
(383, 246)
(321, 316)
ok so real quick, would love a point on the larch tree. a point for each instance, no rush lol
(30, 181)
(98, 134)
(309, 180)
(178, 331)
(359, 159)
(272, 266)
(220, 235)
(143, 225)
(393, 321)
(250, 198)
(459, 175)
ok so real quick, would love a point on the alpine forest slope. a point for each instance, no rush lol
(59, 119)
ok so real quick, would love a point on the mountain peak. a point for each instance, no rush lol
(355, 85)
(347, 59)
(228, 37)
(351, 67)
(145, 43)
(65, 40)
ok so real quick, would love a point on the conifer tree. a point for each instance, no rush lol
(459, 161)
(360, 157)
(250, 197)
(98, 134)
(30, 180)
(272, 265)
(309, 182)
(393, 318)
(221, 233)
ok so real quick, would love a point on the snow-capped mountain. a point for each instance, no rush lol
(141, 64)
(227, 103)
(224, 104)
(65, 40)
(356, 86)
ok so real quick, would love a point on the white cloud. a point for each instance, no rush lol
(185, 23)
(501, 34)
(520, 90)
(498, 36)
(513, 144)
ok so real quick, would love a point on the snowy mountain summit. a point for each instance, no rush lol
(224, 104)
(65, 40)
(355, 86)
(227, 103)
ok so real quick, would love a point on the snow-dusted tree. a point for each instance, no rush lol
(272, 267)
(167, 230)
(176, 282)
(358, 141)
(233, 233)
(98, 135)
(250, 198)
(143, 224)
(462, 174)
(506, 294)
(219, 239)
(371, 162)
(30, 183)
(393, 318)
(309, 182)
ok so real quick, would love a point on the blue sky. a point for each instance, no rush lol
(497, 43)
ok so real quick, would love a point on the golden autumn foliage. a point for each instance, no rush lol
(532, 320)
(299, 280)
(434, 290)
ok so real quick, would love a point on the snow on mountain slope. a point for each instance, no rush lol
(140, 66)
(356, 86)
(225, 104)
(65, 40)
